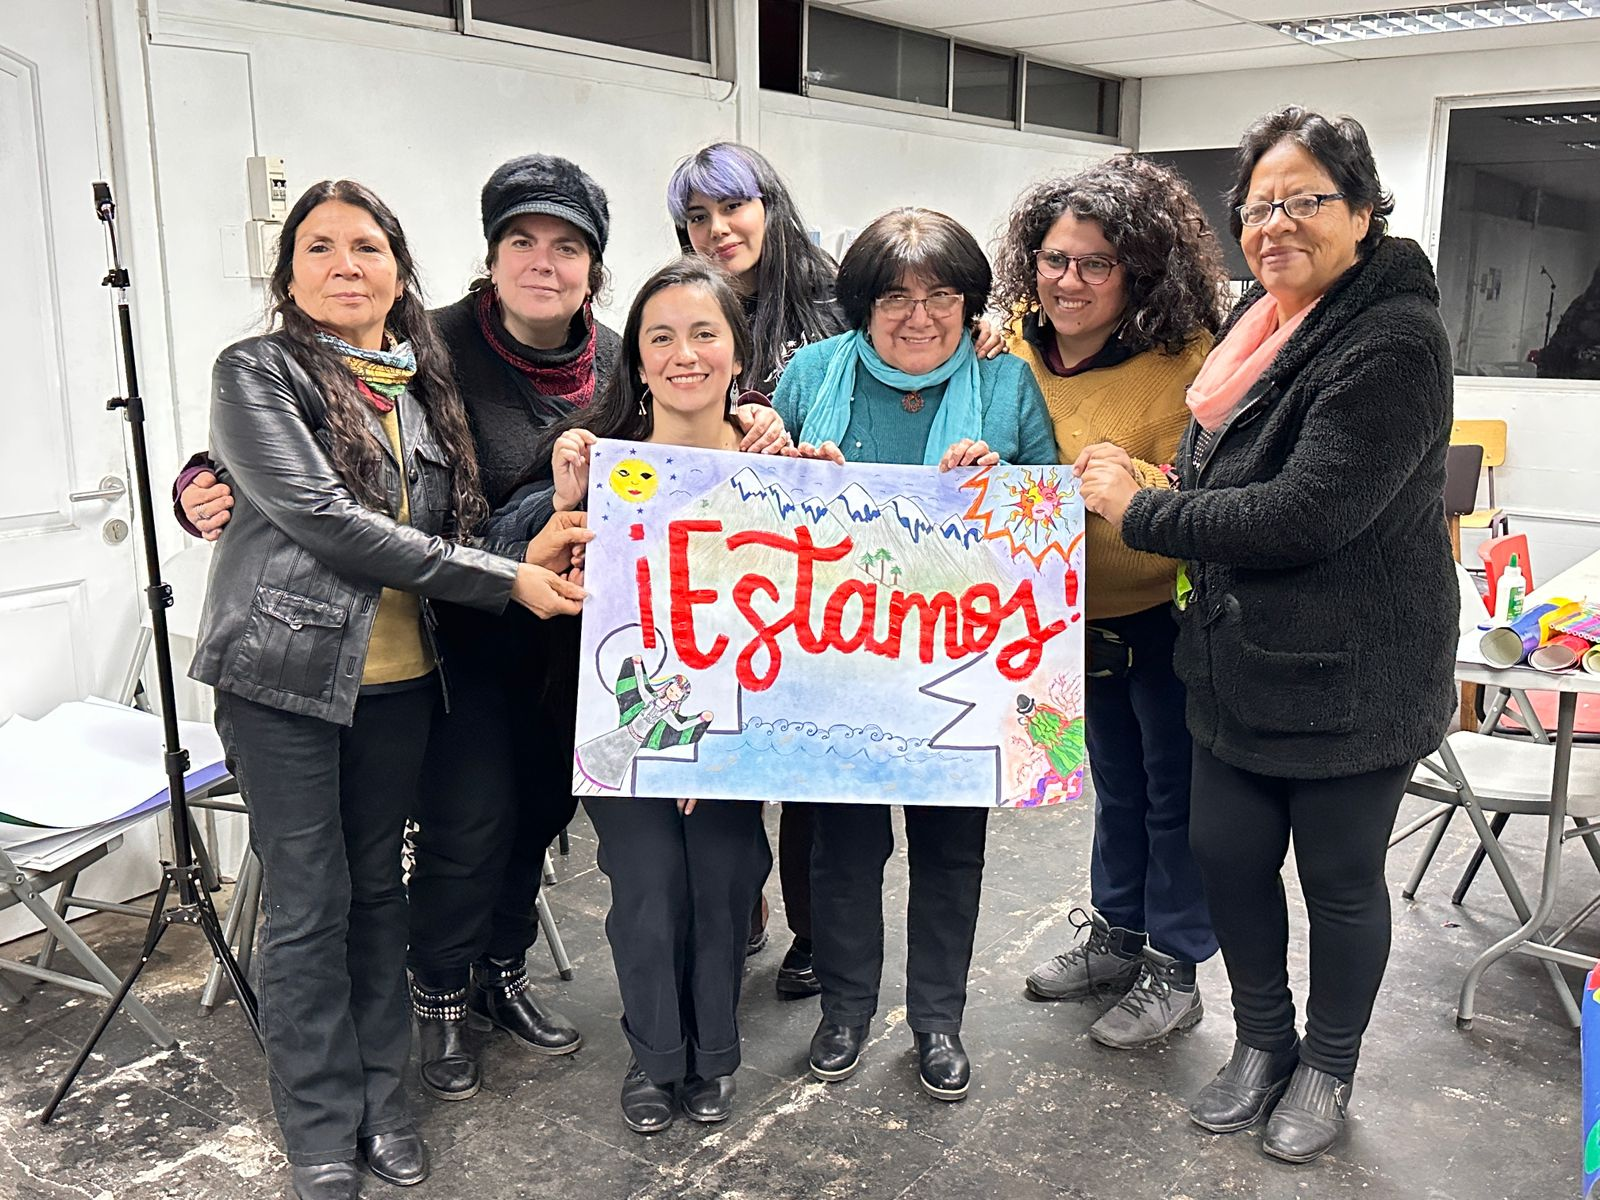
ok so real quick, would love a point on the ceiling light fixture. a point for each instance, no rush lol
(1583, 145)
(1450, 18)
(1557, 119)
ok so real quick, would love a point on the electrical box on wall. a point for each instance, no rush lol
(261, 246)
(269, 188)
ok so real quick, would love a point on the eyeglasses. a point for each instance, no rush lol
(1296, 208)
(1093, 269)
(897, 307)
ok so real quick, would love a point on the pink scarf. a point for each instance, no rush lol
(1238, 361)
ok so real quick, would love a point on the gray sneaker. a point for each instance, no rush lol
(1106, 964)
(1164, 1000)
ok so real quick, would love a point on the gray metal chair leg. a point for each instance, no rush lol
(1426, 857)
(9, 996)
(1496, 826)
(552, 938)
(47, 953)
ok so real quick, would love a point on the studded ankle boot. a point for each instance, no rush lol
(501, 996)
(448, 1066)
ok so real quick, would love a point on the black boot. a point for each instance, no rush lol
(943, 1066)
(797, 978)
(646, 1107)
(327, 1181)
(448, 1065)
(1244, 1089)
(1310, 1118)
(396, 1157)
(708, 1100)
(836, 1050)
(500, 995)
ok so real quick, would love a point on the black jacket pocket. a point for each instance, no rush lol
(1287, 691)
(292, 644)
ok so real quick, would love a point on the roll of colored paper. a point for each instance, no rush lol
(1560, 653)
(1591, 661)
(1507, 645)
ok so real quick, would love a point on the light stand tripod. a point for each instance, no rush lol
(182, 874)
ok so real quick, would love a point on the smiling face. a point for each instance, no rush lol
(634, 480)
(541, 274)
(1083, 315)
(686, 351)
(919, 341)
(345, 275)
(730, 232)
(1296, 261)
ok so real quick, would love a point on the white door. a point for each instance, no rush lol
(69, 596)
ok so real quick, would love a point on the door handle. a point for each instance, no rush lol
(111, 488)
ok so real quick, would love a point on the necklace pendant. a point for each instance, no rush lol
(911, 402)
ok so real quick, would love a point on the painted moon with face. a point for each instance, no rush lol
(634, 480)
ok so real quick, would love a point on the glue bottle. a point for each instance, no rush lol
(1513, 588)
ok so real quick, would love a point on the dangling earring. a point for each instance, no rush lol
(644, 412)
(1043, 320)
(733, 395)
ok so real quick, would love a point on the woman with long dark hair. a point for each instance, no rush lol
(354, 476)
(1115, 280)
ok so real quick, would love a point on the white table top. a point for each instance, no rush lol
(1579, 582)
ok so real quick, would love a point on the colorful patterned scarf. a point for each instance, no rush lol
(571, 381)
(381, 375)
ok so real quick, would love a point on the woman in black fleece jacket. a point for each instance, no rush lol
(1318, 633)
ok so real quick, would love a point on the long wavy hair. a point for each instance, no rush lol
(1173, 265)
(625, 409)
(794, 279)
(356, 454)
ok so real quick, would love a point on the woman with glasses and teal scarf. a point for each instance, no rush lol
(353, 476)
(905, 385)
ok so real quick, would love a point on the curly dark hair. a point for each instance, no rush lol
(356, 454)
(1158, 231)
(1339, 144)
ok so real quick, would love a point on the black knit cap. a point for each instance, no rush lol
(543, 183)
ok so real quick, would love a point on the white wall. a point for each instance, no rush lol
(1548, 489)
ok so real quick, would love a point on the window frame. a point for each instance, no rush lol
(1433, 214)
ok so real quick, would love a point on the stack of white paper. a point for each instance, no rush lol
(85, 772)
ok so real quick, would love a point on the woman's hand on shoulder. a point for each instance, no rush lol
(559, 545)
(546, 594)
(207, 504)
(763, 429)
(827, 451)
(569, 465)
(969, 453)
(988, 339)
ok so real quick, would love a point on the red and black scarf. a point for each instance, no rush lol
(571, 381)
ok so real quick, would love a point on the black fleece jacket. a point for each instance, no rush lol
(1319, 641)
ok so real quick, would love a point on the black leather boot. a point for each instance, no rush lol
(447, 1063)
(1310, 1118)
(327, 1181)
(1244, 1089)
(708, 1100)
(500, 995)
(836, 1050)
(797, 978)
(646, 1107)
(396, 1157)
(943, 1066)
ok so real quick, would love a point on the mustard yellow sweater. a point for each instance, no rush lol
(1138, 405)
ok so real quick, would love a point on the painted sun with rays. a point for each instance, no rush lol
(1037, 504)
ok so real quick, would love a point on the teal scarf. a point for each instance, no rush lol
(960, 416)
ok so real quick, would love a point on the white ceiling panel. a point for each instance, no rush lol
(1157, 45)
(1268, 11)
(1228, 60)
(1123, 20)
(1550, 33)
(946, 15)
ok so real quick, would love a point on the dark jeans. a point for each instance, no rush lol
(1142, 873)
(328, 806)
(1240, 827)
(681, 892)
(945, 853)
(796, 829)
(496, 790)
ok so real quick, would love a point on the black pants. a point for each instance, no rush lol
(496, 790)
(945, 854)
(1142, 873)
(1240, 829)
(328, 806)
(681, 892)
(796, 829)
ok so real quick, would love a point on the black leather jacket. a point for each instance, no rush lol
(294, 586)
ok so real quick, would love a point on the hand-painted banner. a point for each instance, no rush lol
(767, 628)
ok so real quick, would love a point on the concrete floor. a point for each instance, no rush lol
(1439, 1114)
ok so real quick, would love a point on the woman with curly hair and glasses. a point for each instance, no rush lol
(1114, 280)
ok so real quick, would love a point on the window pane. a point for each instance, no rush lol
(876, 59)
(432, 8)
(1070, 100)
(675, 27)
(780, 25)
(985, 84)
(1519, 241)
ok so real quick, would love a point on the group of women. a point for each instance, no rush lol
(383, 481)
